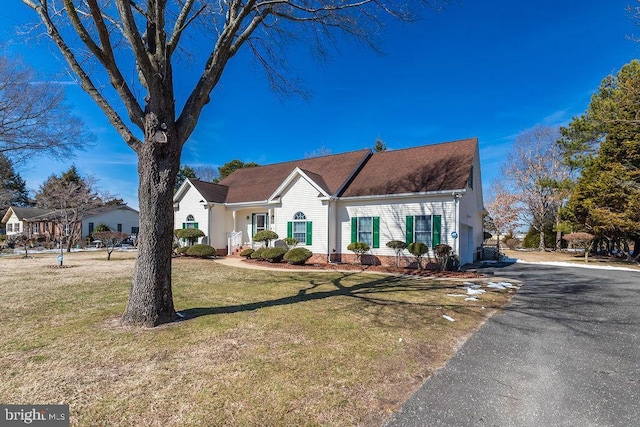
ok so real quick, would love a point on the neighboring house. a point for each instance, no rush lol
(431, 193)
(15, 218)
(35, 222)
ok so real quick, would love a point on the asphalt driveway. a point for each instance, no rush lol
(565, 352)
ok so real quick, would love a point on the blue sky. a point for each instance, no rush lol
(488, 69)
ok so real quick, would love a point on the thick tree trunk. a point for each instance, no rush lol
(635, 255)
(150, 299)
(541, 245)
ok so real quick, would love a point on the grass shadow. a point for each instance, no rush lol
(369, 291)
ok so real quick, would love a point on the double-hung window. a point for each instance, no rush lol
(424, 228)
(366, 229)
(300, 229)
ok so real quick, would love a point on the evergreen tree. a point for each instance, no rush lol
(606, 199)
(380, 146)
(232, 166)
(185, 172)
(13, 189)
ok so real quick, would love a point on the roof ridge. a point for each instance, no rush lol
(311, 158)
(474, 138)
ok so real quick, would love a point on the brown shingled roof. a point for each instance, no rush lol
(437, 167)
(23, 213)
(258, 183)
(213, 193)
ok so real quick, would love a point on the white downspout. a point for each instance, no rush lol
(456, 213)
(329, 231)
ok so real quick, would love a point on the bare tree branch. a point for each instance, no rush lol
(34, 117)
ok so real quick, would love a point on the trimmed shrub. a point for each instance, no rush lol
(290, 242)
(265, 236)
(182, 251)
(273, 254)
(418, 250)
(201, 251)
(359, 248)
(581, 240)
(247, 253)
(189, 234)
(298, 256)
(257, 254)
(398, 246)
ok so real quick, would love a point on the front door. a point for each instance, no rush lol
(259, 223)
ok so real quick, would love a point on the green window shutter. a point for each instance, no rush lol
(354, 230)
(290, 229)
(195, 224)
(309, 232)
(437, 226)
(376, 231)
(409, 232)
(184, 225)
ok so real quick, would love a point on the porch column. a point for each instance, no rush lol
(271, 219)
(233, 214)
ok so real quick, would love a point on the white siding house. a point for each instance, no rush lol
(431, 193)
(120, 218)
(35, 222)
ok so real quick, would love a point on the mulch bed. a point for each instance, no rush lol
(372, 268)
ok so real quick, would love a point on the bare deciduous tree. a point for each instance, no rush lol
(33, 115)
(207, 173)
(110, 239)
(68, 200)
(503, 210)
(121, 34)
(532, 172)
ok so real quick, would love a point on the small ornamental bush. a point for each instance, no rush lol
(257, 254)
(265, 236)
(398, 246)
(182, 251)
(298, 256)
(359, 248)
(581, 240)
(273, 254)
(418, 250)
(247, 253)
(189, 234)
(290, 242)
(442, 253)
(201, 251)
(101, 228)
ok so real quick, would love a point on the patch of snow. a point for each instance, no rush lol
(501, 285)
(450, 319)
(472, 285)
(471, 291)
(456, 295)
(471, 299)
